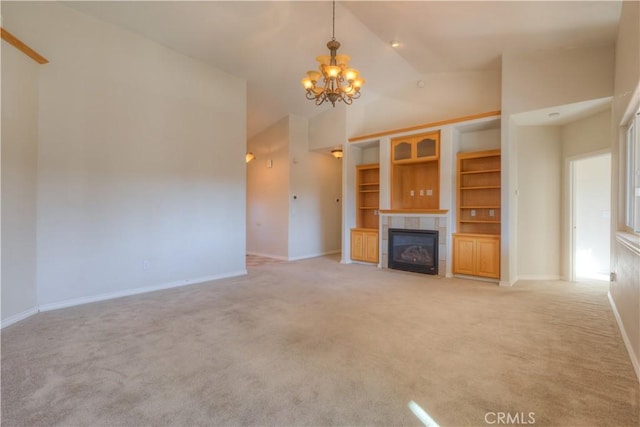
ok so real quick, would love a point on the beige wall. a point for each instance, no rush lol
(293, 208)
(532, 81)
(315, 181)
(540, 182)
(582, 138)
(589, 135)
(268, 192)
(141, 181)
(625, 291)
(19, 183)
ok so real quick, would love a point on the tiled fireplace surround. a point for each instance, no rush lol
(416, 222)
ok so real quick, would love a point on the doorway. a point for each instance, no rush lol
(591, 217)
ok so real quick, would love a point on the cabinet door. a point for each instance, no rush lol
(464, 255)
(488, 257)
(402, 150)
(427, 149)
(371, 246)
(357, 245)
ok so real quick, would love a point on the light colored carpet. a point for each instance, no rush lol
(314, 342)
(257, 261)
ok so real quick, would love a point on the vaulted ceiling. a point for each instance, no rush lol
(272, 44)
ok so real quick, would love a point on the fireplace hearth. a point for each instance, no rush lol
(413, 250)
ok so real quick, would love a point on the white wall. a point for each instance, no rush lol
(19, 183)
(540, 183)
(444, 96)
(315, 196)
(532, 81)
(268, 192)
(625, 262)
(141, 179)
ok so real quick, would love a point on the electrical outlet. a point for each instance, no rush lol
(473, 212)
(145, 264)
(422, 192)
(412, 193)
(429, 192)
(492, 212)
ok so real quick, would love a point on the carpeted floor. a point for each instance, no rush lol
(314, 342)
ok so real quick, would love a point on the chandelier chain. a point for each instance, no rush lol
(333, 30)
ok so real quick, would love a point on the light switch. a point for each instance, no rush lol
(492, 212)
(429, 192)
(422, 192)
(473, 212)
(412, 193)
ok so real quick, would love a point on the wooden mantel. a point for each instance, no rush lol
(22, 47)
(427, 125)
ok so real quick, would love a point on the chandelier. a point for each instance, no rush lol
(339, 82)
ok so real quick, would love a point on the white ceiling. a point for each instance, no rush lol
(272, 44)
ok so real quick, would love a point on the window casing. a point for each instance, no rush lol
(632, 172)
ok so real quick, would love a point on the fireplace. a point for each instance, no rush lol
(413, 250)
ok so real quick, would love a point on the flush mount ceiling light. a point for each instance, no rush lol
(394, 43)
(339, 82)
(336, 153)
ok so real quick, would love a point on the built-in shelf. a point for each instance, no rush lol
(414, 211)
(476, 244)
(480, 171)
(364, 238)
(368, 195)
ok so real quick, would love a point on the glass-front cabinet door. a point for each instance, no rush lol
(402, 150)
(416, 148)
(426, 149)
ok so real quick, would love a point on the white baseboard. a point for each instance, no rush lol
(298, 258)
(538, 277)
(136, 291)
(634, 358)
(18, 317)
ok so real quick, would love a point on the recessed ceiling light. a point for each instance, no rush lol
(554, 115)
(394, 43)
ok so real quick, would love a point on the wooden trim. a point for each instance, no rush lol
(18, 44)
(427, 125)
(413, 211)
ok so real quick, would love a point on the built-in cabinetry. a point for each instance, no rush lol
(476, 244)
(476, 255)
(415, 172)
(364, 244)
(364, 238)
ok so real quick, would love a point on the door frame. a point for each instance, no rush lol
(571, 217)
